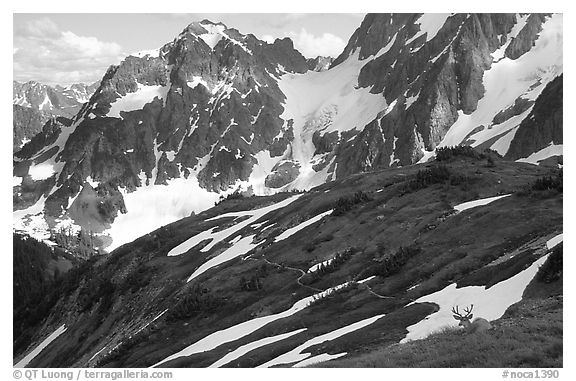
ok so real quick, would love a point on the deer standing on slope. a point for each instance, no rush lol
(478, 325)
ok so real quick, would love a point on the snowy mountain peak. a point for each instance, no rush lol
(209, 32)
(210, 24)
(216, 110)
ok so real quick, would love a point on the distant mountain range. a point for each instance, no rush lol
(319, 63)
(34, 103)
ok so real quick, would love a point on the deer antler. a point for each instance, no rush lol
(467, 312)
(457, 314)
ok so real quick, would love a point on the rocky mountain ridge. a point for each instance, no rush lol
(56, 99)
(34, 103)
(215, 110)
(319, 63)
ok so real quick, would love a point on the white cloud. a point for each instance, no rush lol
(311, 46)
(44, 53)
(39, 28)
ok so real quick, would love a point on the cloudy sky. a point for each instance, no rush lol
(65, 48)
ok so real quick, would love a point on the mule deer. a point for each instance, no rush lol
(478, 325)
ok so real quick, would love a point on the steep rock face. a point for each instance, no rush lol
(433, 78)
(426, 81)
(525, 39)
(201, 106)
(26, 122)
(543, 126)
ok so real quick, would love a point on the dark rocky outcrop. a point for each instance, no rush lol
(543, 125)
(26, 122)
(525, 39)
(283, 173)
(520, 105)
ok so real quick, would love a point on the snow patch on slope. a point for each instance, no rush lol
(488, 303)
(36, 351)
(296, 355)
(554, 241)
(241, 351)
(473, 204)
(502, 145)
(136, 100)
(240, 330)
(197, 80)
(219, 236)
(544, 153)
(237, 249)
(293, 230)
(41, 171)
(430, 23)
(31, 220)
(318, 359)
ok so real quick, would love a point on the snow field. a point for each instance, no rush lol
(164, 205)
(330, 98)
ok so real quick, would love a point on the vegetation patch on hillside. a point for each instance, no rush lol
(348, 202)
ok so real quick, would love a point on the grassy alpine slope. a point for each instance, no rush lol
(135, 308)
(530, 334)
